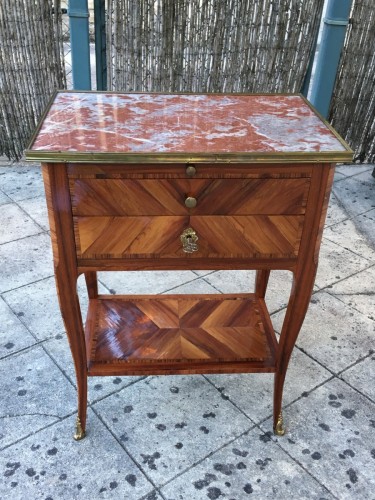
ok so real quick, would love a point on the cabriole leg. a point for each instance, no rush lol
(295, 314)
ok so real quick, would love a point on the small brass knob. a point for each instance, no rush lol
(191, 170)
(190, 202)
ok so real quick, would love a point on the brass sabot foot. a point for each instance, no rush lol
(80, 433)
(279, 429)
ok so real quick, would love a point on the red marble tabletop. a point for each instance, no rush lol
(93, 124)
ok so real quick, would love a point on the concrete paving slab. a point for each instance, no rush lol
(13, 335)
(355, 194)
(37, 210)
(333, 333)
(98, 387)
(337, 263)
(199, 285)
(146, 282)
(366, 176)
(20, 182)
(50, 464)
(338, 176)
(4, 199)
(37, 306)
(15, 224)
(350, 170)
(252, 466)
(362, 376)
(365, 223)
(34, 394)
(27, 260)
(169, 423)
(253, 392)
(335, 212)
(331, 434)
(349, 237)
(243, 282)
(358, 291)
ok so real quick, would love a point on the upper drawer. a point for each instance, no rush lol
(92, 197)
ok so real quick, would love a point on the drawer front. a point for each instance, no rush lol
(158, 237)
(158, 197)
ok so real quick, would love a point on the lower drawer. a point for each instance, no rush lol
(266, 236)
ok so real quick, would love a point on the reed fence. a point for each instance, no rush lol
(31, 67)
(210, 45)
(352, 110)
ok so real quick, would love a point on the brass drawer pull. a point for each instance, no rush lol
(191, 170)
(190, 202)
(189, 240)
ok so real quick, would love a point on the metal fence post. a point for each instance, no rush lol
(100, 45)
(333, 34)
(80, 44)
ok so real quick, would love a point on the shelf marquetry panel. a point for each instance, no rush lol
(174, 332)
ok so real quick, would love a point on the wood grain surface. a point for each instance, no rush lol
(91, 197)
(172, 332)
(159, 237)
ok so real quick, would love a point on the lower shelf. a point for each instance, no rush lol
(175, 334)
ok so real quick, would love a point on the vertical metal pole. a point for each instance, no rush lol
(80, 43)
(100, 45)
(333, 34)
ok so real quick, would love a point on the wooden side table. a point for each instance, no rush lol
(184, 181)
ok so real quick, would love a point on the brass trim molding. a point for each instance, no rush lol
(295, 157)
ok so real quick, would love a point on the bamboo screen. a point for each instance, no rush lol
(31, 67)
(353, 104)
(210, 45)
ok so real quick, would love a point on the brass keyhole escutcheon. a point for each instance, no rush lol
(189, 240)
(190, 170)
(190, 202)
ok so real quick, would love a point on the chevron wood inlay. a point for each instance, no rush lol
(166, 196)
(178, 329)
(219, 236)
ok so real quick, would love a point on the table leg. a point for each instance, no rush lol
(91, 284)
(295, 314)
(71, 313)
(66, 274)
(261, 282)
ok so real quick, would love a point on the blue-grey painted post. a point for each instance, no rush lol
(100, 45)
(80, 44)
(333, 34)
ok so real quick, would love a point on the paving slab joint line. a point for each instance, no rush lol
(330, 285)
(227, 398)
(29, 215)
(208, 283)
(116, 391)
(146, 496)
(42, 231)
(279, 442)
(368, 243)
(357, 390)
(27, 284)
(59, 420)
(19, 351)
(304, 395)
(207, 456)
(181, 284)
(124, 448)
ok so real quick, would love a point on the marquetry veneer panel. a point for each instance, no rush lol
(164, 333)
(91, 197)
(274, 236)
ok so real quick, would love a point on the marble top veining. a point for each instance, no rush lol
(191, 124)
